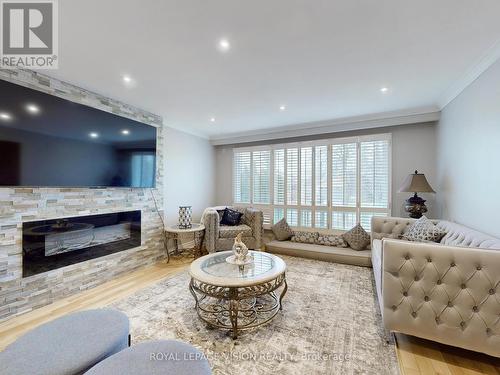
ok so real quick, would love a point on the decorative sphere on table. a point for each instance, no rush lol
(240, 250)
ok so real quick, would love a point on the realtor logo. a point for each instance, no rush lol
(29, 34)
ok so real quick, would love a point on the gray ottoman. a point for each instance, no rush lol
(161, 357)
(68, 345)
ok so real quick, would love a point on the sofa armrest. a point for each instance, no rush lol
(255, 220)
(211, 221)
(443, 293)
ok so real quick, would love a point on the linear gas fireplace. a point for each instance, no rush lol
(56, 243)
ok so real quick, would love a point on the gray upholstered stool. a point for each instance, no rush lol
(163, 357)
(68, 345)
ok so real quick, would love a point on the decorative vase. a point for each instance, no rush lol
(240, 250)
(185, 213)
(415, 206)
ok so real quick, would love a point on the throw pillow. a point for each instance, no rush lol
(231, 217)
(357, 238)
(331, 240)
(305, 237)
(423, 230)
(281, 230)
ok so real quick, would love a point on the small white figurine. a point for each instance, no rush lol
(240, 250)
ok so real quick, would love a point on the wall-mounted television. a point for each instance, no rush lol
(47, 141)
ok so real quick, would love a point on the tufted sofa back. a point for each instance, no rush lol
(460, 235)
(393, 226)
(456, 234)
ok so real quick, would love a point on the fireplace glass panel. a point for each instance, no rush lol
(56, 243)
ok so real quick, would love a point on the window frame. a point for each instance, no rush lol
(268, 209)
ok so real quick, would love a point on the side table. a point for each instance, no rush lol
(173, 232)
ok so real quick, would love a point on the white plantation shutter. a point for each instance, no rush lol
(292, 176)
(321, 219)
(292, 217)
(279, 213)
(306, 218)
(324, 184)
(344, 175)
(306, 181)
(241, 177)
(343, 220)
(375, 174)
(321, 175)
(261, 169)
(374, 180)
(279, 176)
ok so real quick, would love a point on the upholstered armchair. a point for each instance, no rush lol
(221, 237)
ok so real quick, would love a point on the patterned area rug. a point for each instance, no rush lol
(330, 324)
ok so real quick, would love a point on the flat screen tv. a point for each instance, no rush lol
(47, 141)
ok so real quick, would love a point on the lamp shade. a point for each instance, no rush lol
(416, 183)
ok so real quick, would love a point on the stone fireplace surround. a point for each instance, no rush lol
(19, 295)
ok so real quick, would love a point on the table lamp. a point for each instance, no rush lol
(415, 183)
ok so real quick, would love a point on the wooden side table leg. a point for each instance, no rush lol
(198, 243)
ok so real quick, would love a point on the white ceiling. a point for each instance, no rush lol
(323, 59)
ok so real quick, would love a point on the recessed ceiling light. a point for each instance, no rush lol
(384, 89)
(282, 107)
(224, 45)
(5, 116)
(125, 132)
(32, 108)
(93, 135)
(212, 119)
(128, 80)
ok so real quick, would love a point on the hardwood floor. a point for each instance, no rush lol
(419, 356)
(416, 356)
(99, 296)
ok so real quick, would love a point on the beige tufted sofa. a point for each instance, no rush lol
(447, 292)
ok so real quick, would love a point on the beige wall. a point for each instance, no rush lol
(189, 177)
(413, 147)
(469, 155)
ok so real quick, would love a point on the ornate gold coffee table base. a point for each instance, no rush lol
(238, 308)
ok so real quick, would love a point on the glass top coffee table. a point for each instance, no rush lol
(234, 297)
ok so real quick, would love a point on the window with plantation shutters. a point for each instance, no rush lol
(374, 174)
(326, 184)
(321, 175)
(292, 176)
(374, 180)
(344, 175)
(241, 177)
(306, 181)
(261, 169)
(279, 176)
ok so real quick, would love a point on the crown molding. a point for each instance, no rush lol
(405, 117)
(473, 73)
(186, 131)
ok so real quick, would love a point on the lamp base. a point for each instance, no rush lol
(415, 206)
